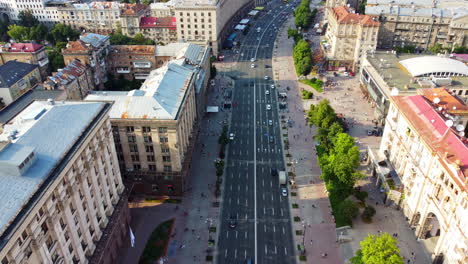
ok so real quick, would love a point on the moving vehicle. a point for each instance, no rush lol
(274, 172)
(270, 122)
(284, 192)
(231, 136)
(282, 177)
(267, 92)
(232, 222)
(252, 65)
(272, 86)
(268, 107)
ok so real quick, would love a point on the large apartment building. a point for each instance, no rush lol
(40, 9)
(31, 53)
(422, 164)
(349, 37)
(420, 23)
(16, 78)
(153, 129)
(91, 49)
(63, 200)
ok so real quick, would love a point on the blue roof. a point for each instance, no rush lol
(13, 71)
(94, 39)
(51, 137)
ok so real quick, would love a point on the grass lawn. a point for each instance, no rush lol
(157, 243)
(317, 85)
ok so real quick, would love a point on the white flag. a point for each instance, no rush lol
(132, 238)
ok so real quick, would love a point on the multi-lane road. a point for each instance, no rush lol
(251, 194)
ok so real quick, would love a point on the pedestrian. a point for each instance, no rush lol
(311, 241)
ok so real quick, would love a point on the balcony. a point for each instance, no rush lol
(141, 76)
(123, 70)
(44, 61)
(142, 64)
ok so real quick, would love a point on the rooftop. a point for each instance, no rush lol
(102, 5)
(158, 22)
(433, 129)
(441, 97)
(345, 16)
(389, 68)
(94, 39)
(76, 46)
(396, 10)
(20, 47)
(132, 9)
(149, 49)
(13, 71)
(178, 50)
(423, 65)
(72, 71)
(39, 130)
(160, 96)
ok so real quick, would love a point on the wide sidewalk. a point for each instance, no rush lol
(317, 223)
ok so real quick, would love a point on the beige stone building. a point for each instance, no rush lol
(75, 79)
(348, 38)
(63, 200)
(26, 52)
(16, 78)
(153, 129)
(132, 61)
(131, 16)
(422, 164)
(420, 23)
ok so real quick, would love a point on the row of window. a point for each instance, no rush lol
(151, 167)
(145, 129)
(149, 158)
(194, 14)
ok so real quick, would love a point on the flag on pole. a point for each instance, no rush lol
(132, 238)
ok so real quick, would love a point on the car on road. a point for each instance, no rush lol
(270, 122)
(272, 86)
(284, 192)
(274, 172)
(346, 74)
(266, 77)
(252, 65)
(252, 60)
(232, 222)
(271, 139)
(267, 92)
(268, 107)
(231, 136)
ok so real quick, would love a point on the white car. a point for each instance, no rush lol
(346, 74)
(270, 122)
(266, 77)
(252, 65)
(252, 60)
(268, 107)
(284, 192)
(267, 92)
(272, 86)
(231, 136)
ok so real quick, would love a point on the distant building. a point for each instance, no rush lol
(63, 200)
(420, 23)
(17, 78)
(384, 74)
(348, 38)
(131, 16)
(422, 168)
(91, 49)
(40, 9)
(75, 79)
(132, 61)
(160, 29)
(26, 52)
(154, 129)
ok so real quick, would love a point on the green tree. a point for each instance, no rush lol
(322, 114)
(344, 159)
(38, 32)
(362, 7)
(461, 50)
(62, 33)
(381, 249)
(348, 209)
(55, 60)
(302, 57)
(294, 34)
(4, 31)
(26, 19)
(18, 33)
(437, 48)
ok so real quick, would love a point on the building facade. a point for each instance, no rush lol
(131, 16)
(160, 29)
(349, 37)
(28, 53)
(16, 78)
(132, 61)
(38, 8)
(75, 79)
(427, 156)
(61, 185)
(420, 23)
(153, 129)
(91, 49)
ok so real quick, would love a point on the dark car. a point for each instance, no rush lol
(274, 172)
(232, 222)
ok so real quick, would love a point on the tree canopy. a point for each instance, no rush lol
(302, 57)
(303, 15)
(26, 19)
(139, 39)
(381, 249)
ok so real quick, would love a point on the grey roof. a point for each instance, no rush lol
(160, 96)
(26, 99)
(51, 136)
(94, 39)
(420, 9)
(421, 65)
(13, 71)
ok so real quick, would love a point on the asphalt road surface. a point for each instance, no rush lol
(251, 194)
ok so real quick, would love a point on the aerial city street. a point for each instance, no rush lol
(234, 131)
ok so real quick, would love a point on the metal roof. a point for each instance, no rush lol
(431, 64)
(45, 136)
(13, 71)
(160, 96)
(94, 39)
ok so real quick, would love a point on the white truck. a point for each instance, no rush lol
(282, 177)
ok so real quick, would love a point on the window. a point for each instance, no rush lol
(136, 167)
(149, 149)
(166, 158)
(154, 187)
(67, 237)
(148, 139)
(70, 248)
(167, 168)
(165, 150)
(130, 129)
(24, 235)
(133, 148)
(163, 139)
(146, 129)
(152, 167)
(131, 139)
(162, 130)
(150, 158)
(135, 158)
(79, 232)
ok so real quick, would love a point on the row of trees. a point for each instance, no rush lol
(438, 48)
(338, 158)
(120, 39)
(303, 16)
